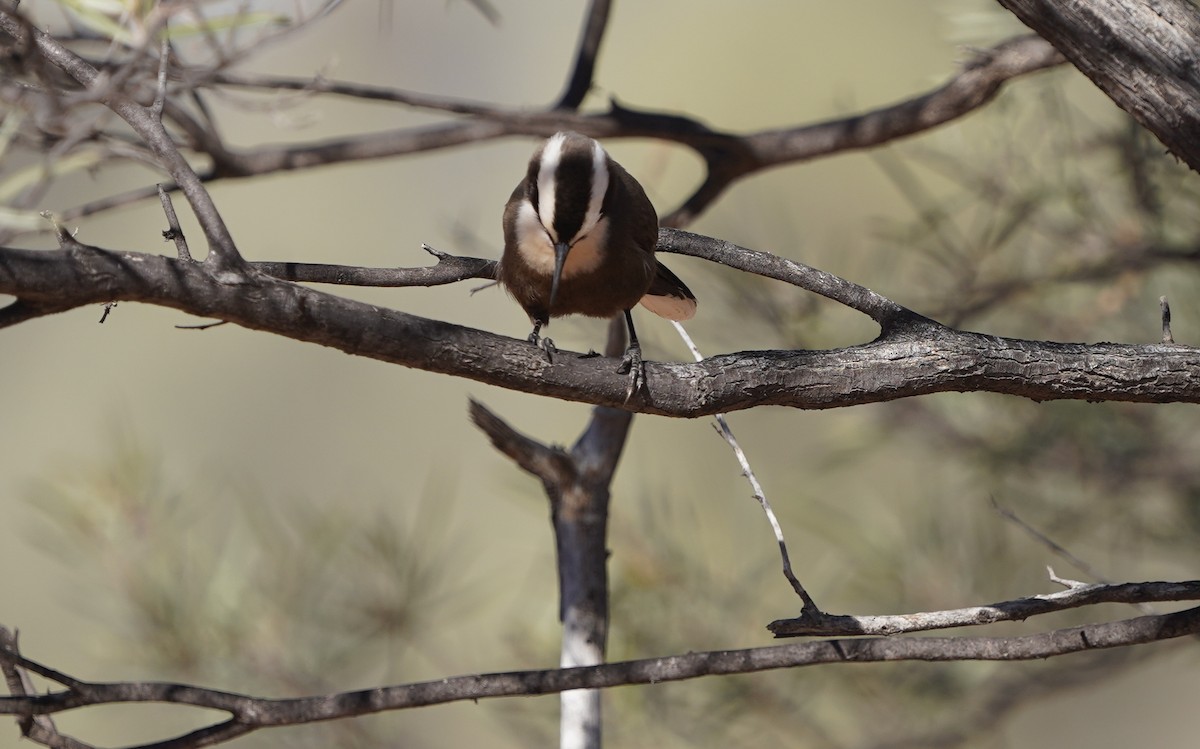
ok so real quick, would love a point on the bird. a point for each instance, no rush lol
(579, 238)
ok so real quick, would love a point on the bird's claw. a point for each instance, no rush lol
(633, 366)
(545, 344)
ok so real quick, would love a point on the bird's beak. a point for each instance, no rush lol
(560, 258)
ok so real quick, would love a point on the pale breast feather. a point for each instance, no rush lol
(533, 243)
(537, 250)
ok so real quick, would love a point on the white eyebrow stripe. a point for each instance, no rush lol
(546, 181)
(599, 186)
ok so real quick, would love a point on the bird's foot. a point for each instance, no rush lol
(545, 344)
(591, 354)
(632, 365)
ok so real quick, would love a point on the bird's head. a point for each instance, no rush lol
(566, 184)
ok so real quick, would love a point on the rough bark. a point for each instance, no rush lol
(1144, 55)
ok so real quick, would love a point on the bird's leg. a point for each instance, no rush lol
(545, 344)
(632, 362)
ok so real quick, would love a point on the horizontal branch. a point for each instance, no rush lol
(252, 712)
(449, 269)
(828, 625)
(914, 356)
(728, 156)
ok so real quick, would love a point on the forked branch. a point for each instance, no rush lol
(912, 356)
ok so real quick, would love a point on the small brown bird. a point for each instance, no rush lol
(579, 237)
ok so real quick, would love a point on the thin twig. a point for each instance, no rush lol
(760, 495)
(160, 92)
(1046, 541)
(1165, 307)
(223, 254)
(1075, 596)
(39, 728)
(174, 230)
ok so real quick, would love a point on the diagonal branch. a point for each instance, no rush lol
(975, 86)
(1143, 55)
(580, 81)
(223, 252)
(38, 728)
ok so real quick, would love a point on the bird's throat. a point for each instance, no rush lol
(537, 249)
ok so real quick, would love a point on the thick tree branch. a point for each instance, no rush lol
(550, 464)
(1144, 55)
(577, 485)
(914, 356)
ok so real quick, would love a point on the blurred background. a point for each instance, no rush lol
(264, 516)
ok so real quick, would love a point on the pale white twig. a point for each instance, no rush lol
(759, 495)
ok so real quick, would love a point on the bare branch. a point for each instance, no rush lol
(1048, 542)
(577, 485)
(449, 269)
(580, 81)
(1142, 55)
(884, 311)
(975, 86)
(1165, 312)
(223, 252)
(174, 231)
(21, 310)
(760, 495)
(38, 728)
(826, 625)
(729, 157)
(914, 356)
(551, 465)
(160, 91)
(250, 712)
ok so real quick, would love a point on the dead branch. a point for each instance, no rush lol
(1142, 55)
(913, 356)
(826, 625)
(728, 156)
(253, 713)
